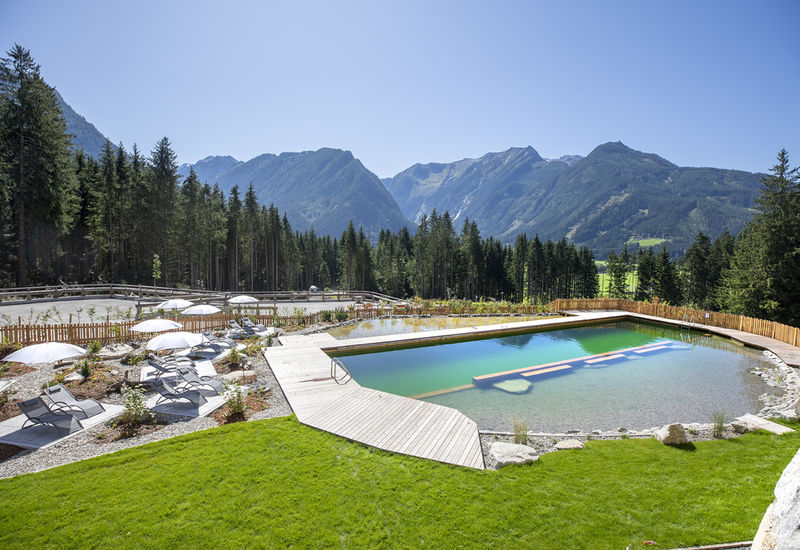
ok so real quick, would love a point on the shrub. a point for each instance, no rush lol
(719, 418)
(93, 348)
(234, 357)
(327, 316)
(235, 399)
(84, 369)
(520, 431)
(253, 346)
(135, 413)
(341, 315)
(269, 340)
(4, 396)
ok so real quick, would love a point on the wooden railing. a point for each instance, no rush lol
(761, 327)
(145, 291)
(108, 332)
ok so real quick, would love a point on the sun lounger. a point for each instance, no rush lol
(163, 367)
(247, 323)
(222, 342)
(191, 381)
(238, 331)
(169, 393)
(64, 401)
(37, 412)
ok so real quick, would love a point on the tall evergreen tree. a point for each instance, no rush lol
(37, 161)
(762, 280)
(697, 273)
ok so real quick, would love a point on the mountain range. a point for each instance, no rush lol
(612, 197)
(323, 189)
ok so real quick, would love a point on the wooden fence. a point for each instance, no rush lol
(771, 329)
(120, 331)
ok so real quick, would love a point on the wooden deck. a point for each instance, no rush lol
(375, 418)
(788, 353)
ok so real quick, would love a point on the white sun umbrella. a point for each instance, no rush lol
(156, 325)
(243, 299)
(174, 340)
(49, 352)
(175, 303)
(201, 309)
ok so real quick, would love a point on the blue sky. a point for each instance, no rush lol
(700, 83)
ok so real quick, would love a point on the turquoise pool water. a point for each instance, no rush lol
(684, 382)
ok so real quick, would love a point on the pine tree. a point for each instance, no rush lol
(37, 162)
(697, 273)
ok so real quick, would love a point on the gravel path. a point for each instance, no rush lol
(85, 444)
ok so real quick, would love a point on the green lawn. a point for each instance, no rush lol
(604, 282)
(276, 483)
(646, 242)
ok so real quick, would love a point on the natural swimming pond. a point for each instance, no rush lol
(407, 325)
(662, 375)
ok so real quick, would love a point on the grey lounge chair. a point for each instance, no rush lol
(238, 331)
(37, 412)
(247, 323)
(170, 367)
(169, 393)
(64, 401)
(193, 382)
(222, 342)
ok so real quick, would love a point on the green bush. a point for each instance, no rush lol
(84, 369)
(235, 399)
(327, 316)
(341, 315)
(136, 412)
(93, 348)
(719, 418)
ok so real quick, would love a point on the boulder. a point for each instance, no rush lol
(780, 527)
(503, 454)
(114, 351)
(74, 377)
(749, 422)
(565, 444)
(674, 434)
(241, 376)
(513, 385)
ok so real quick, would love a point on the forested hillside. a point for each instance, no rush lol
(612, 196)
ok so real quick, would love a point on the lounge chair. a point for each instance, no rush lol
(169, 393)
(224, 343)
(37, 412)
(163, 367)
(193, 382)
(238, 331)
(64, 401)
(247, 323)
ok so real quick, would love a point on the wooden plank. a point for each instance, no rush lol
(605, 358)
(545, 371)
(499, 375)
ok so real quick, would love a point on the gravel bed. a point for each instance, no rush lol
(85, 444)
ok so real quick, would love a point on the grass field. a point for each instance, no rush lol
(646, 242)
(604, 282)
(276, 483)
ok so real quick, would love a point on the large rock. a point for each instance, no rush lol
(780, 528)
(74, 377)
(503, 454)
(240, 376)
(566, 444)
(750, 422)
(674, 434)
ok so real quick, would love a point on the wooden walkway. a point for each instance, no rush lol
(788, 353)
(375, 418)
